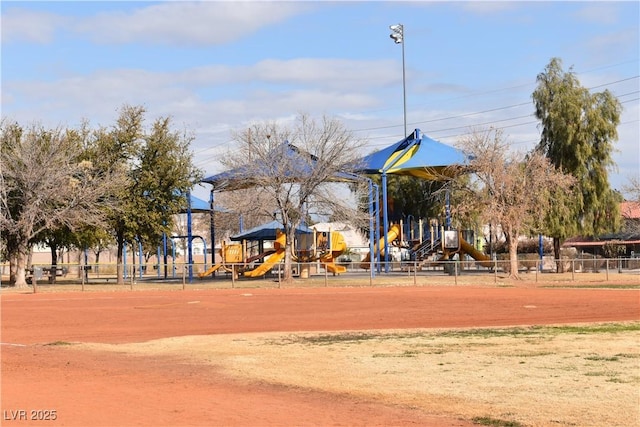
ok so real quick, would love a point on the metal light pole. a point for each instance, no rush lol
(397, 35)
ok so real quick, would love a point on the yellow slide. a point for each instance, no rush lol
(338, 246)
(269, 263)
(211, 270)
(279, 246)
(392, 234)
(467, 248)
(334, 268)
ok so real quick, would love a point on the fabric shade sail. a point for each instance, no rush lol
(416, 155)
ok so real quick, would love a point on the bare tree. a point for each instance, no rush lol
(45, 183)
(511, 189)
(293, 169)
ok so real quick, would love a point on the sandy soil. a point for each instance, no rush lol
(327, 356)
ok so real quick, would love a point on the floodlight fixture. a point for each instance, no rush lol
(398, 33)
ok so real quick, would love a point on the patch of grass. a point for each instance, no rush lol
(618, 380)
(406, 353)
(495, 422)
(492, 332)
(59, 343)
(628, 355)
(541, 330)
(328, 339)
(601, 328)
(602, 358)
(533, 354)
(533, 333)
(349, 338)
(597, 374)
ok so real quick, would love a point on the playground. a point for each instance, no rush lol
(432, 355)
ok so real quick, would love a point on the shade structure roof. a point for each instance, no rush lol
(286, 161)
(198, 205)
(416, 155)
(267, 232)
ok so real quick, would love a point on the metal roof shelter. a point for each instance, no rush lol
(416, 155)
(267, 232)
(299, 164)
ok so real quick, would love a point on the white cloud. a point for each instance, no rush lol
(488, 7)
(188, 23)
(331, 73)
(22, 25)
(599, 12)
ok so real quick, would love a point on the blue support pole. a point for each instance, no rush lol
(158, 255)
(540, 250)
(189, 244)
(385, 222)
(377, 226)
(371, 230)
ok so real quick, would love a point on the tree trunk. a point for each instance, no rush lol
(556, 255)
(80, 263)
(120, 262)
(54, 262)
(513, 258)
(21, 265)
(13, 261)
(97, 264)
(287, 276)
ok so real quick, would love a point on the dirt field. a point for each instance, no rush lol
(429, 356)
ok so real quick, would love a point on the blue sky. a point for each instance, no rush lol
(220, 66)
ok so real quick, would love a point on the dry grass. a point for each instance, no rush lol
(537, 376)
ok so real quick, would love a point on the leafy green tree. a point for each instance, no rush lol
(160, 172)
(578, 132)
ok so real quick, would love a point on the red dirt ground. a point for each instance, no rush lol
(97, 389)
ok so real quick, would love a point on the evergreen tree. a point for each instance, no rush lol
(578, 132)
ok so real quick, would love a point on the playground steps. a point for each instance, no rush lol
(426, 248)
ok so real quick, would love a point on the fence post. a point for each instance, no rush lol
(538, 270)
(233, 275)
(184, 277)
(455, 272)
(573, 269)
(607, 269)
(415, 269)
(133, 275)
(326, 276)
(495, 270)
